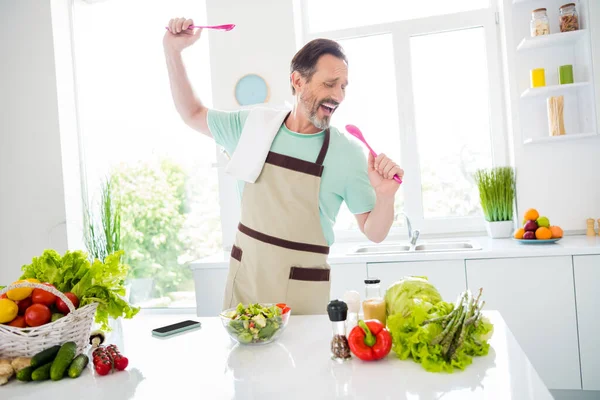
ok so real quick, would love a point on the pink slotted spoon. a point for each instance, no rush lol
(226, 27)
(354, 131)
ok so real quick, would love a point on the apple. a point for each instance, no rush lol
(531, 226)
(529, 235)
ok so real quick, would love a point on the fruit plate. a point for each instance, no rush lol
(537, 241)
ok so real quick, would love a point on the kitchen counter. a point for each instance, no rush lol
(490, 248)
(206, 364)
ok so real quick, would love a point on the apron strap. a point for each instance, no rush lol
(324, 149)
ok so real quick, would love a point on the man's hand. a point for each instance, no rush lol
(178, 36)
(381, 174)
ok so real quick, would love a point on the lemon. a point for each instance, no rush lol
(8, 310)
(21, 293)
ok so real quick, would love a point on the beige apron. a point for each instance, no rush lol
(280, 252)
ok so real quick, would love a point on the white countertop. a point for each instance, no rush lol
(206, 364)
(490, 248)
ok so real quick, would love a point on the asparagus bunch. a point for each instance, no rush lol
(466, 312)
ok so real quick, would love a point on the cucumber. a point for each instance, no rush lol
(77, 366)
(24, 374)
(45, 356)
(63, 360)
(41, 373)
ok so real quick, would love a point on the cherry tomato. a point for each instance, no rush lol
(281, 305)
(37, 314)
(3, 296)
(62, 306)
(18, 322)
(23, 305)
(40, 296)
(285, 310)
(102, 368)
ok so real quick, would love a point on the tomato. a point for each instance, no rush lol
(40, 296)
(285, 310)
(24, 305)
(3, 296)
(281, 305)
(62, 306)
(37, 314)
(18, 322)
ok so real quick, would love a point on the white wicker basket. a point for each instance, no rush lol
(76, 327)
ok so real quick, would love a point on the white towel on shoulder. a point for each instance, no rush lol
(258, 134)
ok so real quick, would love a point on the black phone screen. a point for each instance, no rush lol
(179, 325)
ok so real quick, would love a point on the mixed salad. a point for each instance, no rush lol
(256, 323)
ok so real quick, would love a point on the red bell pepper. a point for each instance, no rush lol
(370, 340)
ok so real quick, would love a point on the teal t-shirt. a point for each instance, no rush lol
(344, 176)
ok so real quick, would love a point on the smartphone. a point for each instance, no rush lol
(176, 328)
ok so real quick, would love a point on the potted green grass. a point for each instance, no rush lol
(497, 195)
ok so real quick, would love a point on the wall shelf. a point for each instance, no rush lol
(554, 39)
(561, 138)
(554, 89)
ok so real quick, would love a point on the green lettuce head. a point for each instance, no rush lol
(402, 296)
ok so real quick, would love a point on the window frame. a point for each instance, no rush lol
(402, 31)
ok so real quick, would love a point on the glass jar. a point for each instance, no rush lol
(340, 349)
(374, 303)
(539, 25)
(568, 18)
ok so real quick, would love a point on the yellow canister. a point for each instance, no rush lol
(538, 77)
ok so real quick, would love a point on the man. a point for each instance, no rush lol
(304, 169)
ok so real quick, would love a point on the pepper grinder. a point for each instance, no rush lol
(340, 349)
(590, 227)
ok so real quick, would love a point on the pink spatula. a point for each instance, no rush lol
(226, 27)
(354, 131)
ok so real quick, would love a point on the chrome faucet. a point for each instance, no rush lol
(413, 236)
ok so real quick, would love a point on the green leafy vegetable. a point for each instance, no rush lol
(440, 336)
(400, 298)
(101, 282)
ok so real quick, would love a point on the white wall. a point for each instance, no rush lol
(262, 43)
(32, 203)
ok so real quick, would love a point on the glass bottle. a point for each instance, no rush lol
(539, 25)
(568, 18)
(374, 303)
(340, 350)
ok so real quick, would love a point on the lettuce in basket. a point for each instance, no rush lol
(101, 282)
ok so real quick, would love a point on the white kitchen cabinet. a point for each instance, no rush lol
(536, 298)
(447, 276)
(587, 277)
(346, 277)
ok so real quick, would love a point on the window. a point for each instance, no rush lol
(162, 170)
(370, 105)
(424, 86)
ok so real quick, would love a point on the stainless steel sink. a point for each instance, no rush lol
(446, 246)
(420, 248)
(383, 249)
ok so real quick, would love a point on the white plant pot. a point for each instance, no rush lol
(500, 229)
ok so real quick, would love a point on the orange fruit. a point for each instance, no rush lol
(556, 231)
(543, 233)
(519, 233)
(531, 215)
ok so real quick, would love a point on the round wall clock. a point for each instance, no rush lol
(251, 89)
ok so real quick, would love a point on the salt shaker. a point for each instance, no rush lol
(352, 299)
(338, 311)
